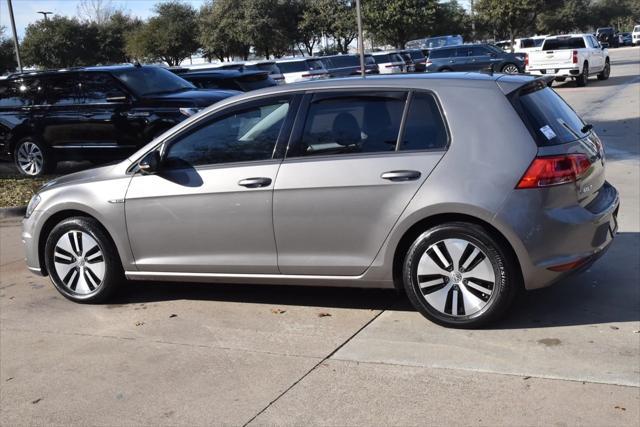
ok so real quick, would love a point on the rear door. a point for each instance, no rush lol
(59, 117)
(348, 175)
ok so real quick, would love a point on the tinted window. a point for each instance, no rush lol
(564, 43)
(61, 90)
(353, 124)
(551, 119)
(424, 128)
(95, 88)
(245, 135)
(369, 60)
(383, 58)
(478, 51)
(19, 93)
(417, 55)
(292, 67)
(271, 67)
(442, 53)
(315, 65)
(343, 61)
(151, 80)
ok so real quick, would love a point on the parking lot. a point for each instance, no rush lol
(197, 354)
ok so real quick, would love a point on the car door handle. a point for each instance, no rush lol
(401, 175)
(255, 182)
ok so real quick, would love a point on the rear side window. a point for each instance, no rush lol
(18, 93)
(315, 65)
(292, 67)
(442, 53)
(95, 88)
(549, 117)
(353, 124)
(417, 55)
(61, 90)
(564, 43)
(424, 128)
(381, 59)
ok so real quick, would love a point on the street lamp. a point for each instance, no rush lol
(45, 14)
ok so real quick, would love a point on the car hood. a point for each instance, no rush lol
(191, 98)
(94, 174)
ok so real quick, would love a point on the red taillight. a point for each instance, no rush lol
(526, 59)
(554, 170)
(575, 57)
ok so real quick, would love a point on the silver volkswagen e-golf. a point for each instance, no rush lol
(460, 189)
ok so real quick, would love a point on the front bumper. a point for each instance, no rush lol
(30, 233)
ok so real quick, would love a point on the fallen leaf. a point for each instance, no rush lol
(323, 314)
(278, 311)
(36, 401)
(526, 378)
(139, 323)
(173, 315)
(622, 408)
(636, 332)
(615, 328)
(9, 379)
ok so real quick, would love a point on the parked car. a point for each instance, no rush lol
(434, 42)
(94, 113)
(575, 56)
(243, 81)
(341, 65)
(266, 65)
(627, 39)
(381, 182)
(635, 35)
(474, 57)
(301, 69)
(370, 65)
(389, 62)
(223, 66)
(419, 60)
(409, 66)
(528, 44)
(608, 35)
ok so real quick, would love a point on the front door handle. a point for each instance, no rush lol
(401, 175)
(255, 182)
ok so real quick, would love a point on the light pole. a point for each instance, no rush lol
(45, 14)
(360, 38)
(15, 35)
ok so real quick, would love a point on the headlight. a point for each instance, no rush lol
(33, 203)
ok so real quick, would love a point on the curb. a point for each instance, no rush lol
(12, 212)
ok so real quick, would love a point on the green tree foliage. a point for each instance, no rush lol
(171, 35)
(7, 53)
(451, 18)
(395, 22)
(314, 22)
(59, 42)
(112, 36)
(221, 30)
(271, 25)
(510, 17)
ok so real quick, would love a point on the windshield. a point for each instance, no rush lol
(145, 81)
(564, 43)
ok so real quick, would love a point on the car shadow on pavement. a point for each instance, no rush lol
(606, 293)
(611, 81)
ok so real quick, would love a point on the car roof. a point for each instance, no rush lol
(97, 68)
(225, 74)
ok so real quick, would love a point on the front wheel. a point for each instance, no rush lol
(604, 75)
(82, 262)
(457, 275)
(32, 158)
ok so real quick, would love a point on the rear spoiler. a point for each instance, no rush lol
(510, 84)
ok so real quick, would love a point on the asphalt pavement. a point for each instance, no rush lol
(183, 354)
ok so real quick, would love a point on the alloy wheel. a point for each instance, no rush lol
(510, 69)
(456, 277)
(79, 262)
(30, 158)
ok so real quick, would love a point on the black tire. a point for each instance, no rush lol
(113, 272)
(583, 78)
(45, 159)
(506, 280)
(604, 74)
(446, 70)
(510, 66)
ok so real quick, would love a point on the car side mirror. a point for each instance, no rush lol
(150, 163)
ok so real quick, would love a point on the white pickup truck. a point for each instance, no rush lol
(575, 56)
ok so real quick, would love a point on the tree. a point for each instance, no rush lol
(96, 11)
(313, 23)
(564, 16)
(450, 18)
(170, 36)
(343, 27)
(510, 17)
(221, 28)
(112, 36)
(395, 22)
(59, 42)
(7, 53)
(271, 25)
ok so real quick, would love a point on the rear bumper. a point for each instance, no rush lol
(559, 241)
(558, 72)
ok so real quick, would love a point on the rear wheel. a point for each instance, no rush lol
(583, 78)
(604, 75)
(446, 70)
(510, 69)
(456, 274)
(32, 158)
(82, 262)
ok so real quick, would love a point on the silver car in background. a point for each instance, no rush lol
(388, 181)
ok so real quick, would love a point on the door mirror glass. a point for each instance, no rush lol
(150, 163)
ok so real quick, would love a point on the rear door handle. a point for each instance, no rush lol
(401, 175)
(255, 182)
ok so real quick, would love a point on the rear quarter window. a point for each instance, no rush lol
(549, 118)
(424, 127)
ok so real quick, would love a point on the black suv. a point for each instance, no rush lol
(608, 35)
(474, 57)
(94, 113)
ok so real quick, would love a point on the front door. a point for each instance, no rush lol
(209, 209)
(349, 174)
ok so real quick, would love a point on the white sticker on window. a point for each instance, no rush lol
(548, 132)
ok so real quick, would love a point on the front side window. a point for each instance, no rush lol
(352, 123)
(95, 88)
(245, 135)
(424, 127)
(61, 90)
